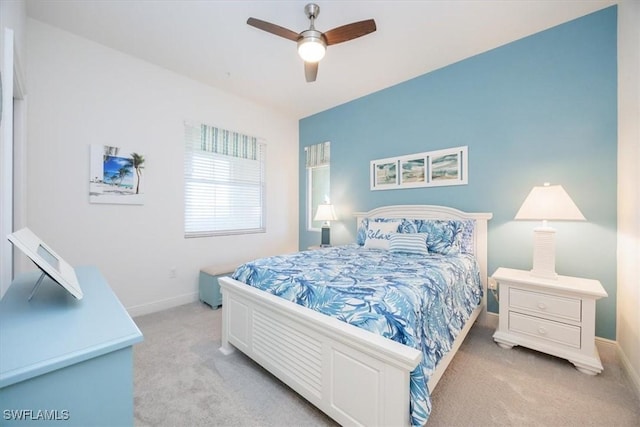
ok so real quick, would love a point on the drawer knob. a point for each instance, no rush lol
(542, 331)
(542, 306)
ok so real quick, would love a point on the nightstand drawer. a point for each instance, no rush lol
(545, 304)
(545, 329)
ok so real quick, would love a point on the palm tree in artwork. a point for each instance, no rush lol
(122, 173)
(137, 161)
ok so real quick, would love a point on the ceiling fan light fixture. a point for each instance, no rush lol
(312, 44)
(312, 47)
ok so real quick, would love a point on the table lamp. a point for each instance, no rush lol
(325, 213)
(547, 203)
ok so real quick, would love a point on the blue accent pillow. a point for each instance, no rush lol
(362, 232)
(468, 226)
(410, 243)
(443, 236)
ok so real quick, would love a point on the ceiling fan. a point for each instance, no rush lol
(312, 43)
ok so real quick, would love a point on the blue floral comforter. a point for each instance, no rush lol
(420, 301)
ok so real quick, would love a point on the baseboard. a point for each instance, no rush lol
(607, 342)
(628, 368)
(142, 309)
(489, 320)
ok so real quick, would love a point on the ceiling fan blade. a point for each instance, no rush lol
(310, 71)
(350, 31)
(273, 29)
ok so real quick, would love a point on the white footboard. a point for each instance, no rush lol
(354, 376)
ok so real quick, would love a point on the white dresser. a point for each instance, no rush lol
(552, 316)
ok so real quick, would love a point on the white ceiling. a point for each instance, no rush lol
(209, 41)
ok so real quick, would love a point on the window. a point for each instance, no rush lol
(318, 180)
(224, 182)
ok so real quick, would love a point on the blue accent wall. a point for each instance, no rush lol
(540, 109)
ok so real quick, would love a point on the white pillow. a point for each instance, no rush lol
(410, 243)
(378, 234)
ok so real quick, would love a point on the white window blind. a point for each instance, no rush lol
(224, 182)
(318, 154)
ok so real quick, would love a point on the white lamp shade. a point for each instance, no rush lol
(325, 212)
(549, 202)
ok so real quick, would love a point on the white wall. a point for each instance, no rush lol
(13, 15)
(83, 93)
(12, 53)
(628, 319)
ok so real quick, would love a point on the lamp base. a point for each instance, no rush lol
(544, 274)
(544, 253)
(325, 239)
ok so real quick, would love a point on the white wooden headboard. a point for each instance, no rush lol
(480, 233)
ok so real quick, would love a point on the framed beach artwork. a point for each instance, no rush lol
(448, 167)
(384, 174)
(428, 169)
(116, 175)
(414, 171)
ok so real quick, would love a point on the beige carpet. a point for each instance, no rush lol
(486, 385)
(180, 379)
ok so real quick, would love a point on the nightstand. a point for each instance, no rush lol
(556, 317)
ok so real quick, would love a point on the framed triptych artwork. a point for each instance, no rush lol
(428, 169)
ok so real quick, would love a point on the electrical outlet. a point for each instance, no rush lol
(493, 285)
(173, 273)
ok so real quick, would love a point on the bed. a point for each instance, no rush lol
(381, 371)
